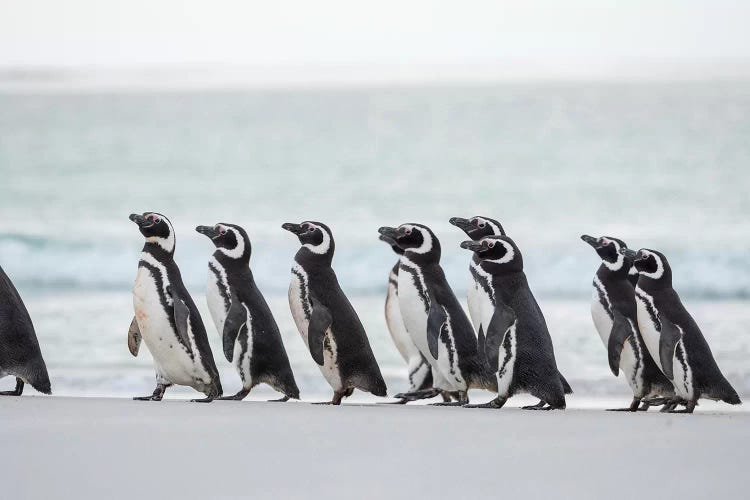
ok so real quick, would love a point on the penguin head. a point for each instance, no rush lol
(478, 227)
(652, 265)
(230, 240)
(392, 243)
(156, 228)
(497, 254)
(416, 240)
(316, 238)
(611, 252)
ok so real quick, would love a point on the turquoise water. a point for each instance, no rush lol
(658, 165)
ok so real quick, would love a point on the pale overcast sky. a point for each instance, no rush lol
(546, 37)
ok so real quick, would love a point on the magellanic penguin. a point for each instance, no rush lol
(20, 355)
(673, 337)
(251, 338)
(434, 319)
(480, 296)
(325, 318)
(166, 317)
(419, 370)
(518, 346)
(615, 317)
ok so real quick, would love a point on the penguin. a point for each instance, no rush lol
(419, 371)
(251, 338)
(325, 318)
(20, 355)
(518, 346)
(166, 318)
(434, 319)
(479, 296)
(479, 291)
(613, 310)
(673, 337)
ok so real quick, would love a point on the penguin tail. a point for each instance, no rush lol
(44, 386)
(734, 399)
(566, 386)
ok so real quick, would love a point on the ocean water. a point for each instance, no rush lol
(666, 166)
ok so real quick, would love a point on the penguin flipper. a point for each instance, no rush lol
(134, 337)
(435, 321)
(670, 335)
(182, 322)
(502, 319)
(320, 322)
(235, 321)
(621, 331)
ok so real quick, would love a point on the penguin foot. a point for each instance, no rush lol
(157, 395)
(415, 395)
(15, 392)
(337, 397)
(447, 403)
(539, 406)
(236, 397)
(401, 401)
(495, 403)
(689, 407)
(280, 400)
(207, 399)
(633, 406)
(461, 397)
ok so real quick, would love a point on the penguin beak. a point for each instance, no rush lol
(594, 242)
(474, 246)
(207, 231)
(293, 228)
(630, 254)
(387, 239)
(388, 232)
(463, 224)
(140, 220)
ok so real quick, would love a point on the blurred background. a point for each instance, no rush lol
(630, 120)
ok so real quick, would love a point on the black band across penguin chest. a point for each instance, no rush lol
(419, 284)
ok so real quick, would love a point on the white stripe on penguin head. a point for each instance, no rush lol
(659, 266)
(495, 230)
(510, 254)
(426, 245)
(322, 247)
(616, 265)
(166, 243)
(239, 249)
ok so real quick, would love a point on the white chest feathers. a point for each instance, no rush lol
(172, 360)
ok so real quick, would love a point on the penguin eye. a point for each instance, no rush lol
(222, 231)
(481, 224)
(154, 218)
(491, 244)
(408, 231)
(310, 229)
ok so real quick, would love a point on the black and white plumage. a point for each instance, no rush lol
(613, 310)
(480, 296)
(518, 346)
(251, 339)
(419, 370)
(166, 318)
(434, 319)
(673, 337)
(325, 318)
(20, 355)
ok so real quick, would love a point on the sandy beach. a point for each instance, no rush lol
(116, 448)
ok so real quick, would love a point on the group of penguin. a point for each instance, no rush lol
(505, 347)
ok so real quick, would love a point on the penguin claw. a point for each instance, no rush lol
(280, 400)
(207, 399)
(447, 403)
